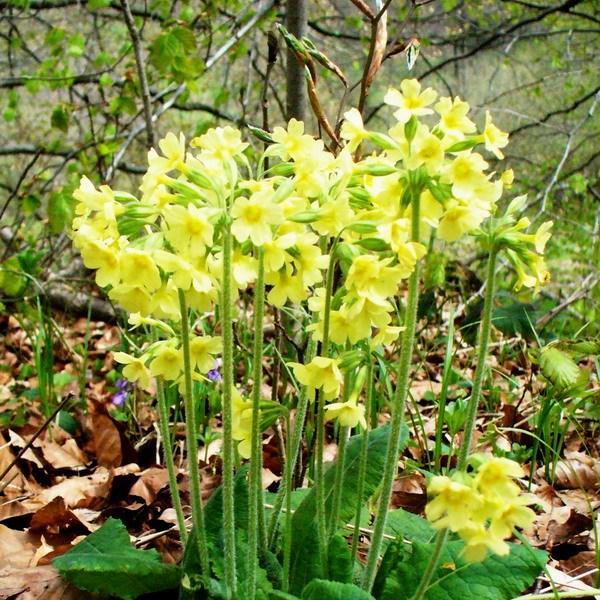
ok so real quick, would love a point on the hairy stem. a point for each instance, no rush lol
(364, 455)
(255, 506)
(399, 402)
(192, 442)
(163, 423)
(228, 449)
(483, 344)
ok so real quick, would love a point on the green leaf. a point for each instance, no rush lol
(60, 211)
(559, 367)
(106, 563)
(60, 118)
(495, 578)
(319, 589)
(305, 565)
(339, 560)
(401, 523)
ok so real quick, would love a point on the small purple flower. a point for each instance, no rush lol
(214, 374)
(119, 398)
(122, 384)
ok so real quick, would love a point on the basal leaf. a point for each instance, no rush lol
(305, 564)
(106, 563)
(319, 589)
(495, 578)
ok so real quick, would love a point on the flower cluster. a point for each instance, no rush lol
(482, 508)
(311, 212)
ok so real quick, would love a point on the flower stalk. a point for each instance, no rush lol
(255, 506)
(364, 455)
(399, 402)
(163, 423)
(228, 443)
(192, 442)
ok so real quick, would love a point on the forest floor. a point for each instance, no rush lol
(64, 474)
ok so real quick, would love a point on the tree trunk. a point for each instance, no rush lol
(295, 22)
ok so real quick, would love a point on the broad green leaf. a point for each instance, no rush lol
(559, 367)
(404, 524)
(338, 559)
(305, 556)
(495, 578)
(319, 589)
(106, 563)
(60, 211)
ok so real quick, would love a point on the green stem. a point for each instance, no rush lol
(192, 442)
(364, 455)
(440, 540)
(163, 423)
(287, 533)
(319, 471)
(463, 456)
(255, 505)
(399, 402)
(439, 426)
(292, 457)
(228, 448)
(339, 479)
(483, 344)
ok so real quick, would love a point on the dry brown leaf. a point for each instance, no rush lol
(409, 493)
(17, 548)
(80, 492)
(577, 471)
(17, 441)
(67, 455)
(150, 482)
(268, 478)
(37, 583)
(107, 441)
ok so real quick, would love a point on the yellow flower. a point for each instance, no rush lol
(274, 251)
(221, 143)
(353, 129)
(542, 235)
(103, 258)
(348, 414)
(91, 199)
(411, 101)
(372, 278)
(241, 412)
(309, 260)
(512, 514)
(134, 370)
(244, 268)
(188, 229)
(479, 540)
(453, 116)
(426, 149)
(453, 503)
(253, 217)
(495, 477)
(174, 154)
(320, 373)
(334, 215)
(138, 269)
(493, 138)
(386, 336)
(286, 285)
(459, 219)
(133, 298)
(203, 350)
(165, 302)
(167, 362)
(466, 173)
(292, 142)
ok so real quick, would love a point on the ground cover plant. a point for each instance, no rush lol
(305, 397)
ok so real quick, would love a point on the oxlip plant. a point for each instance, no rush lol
(332, 241)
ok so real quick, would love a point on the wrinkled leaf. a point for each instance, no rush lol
(106, 563)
